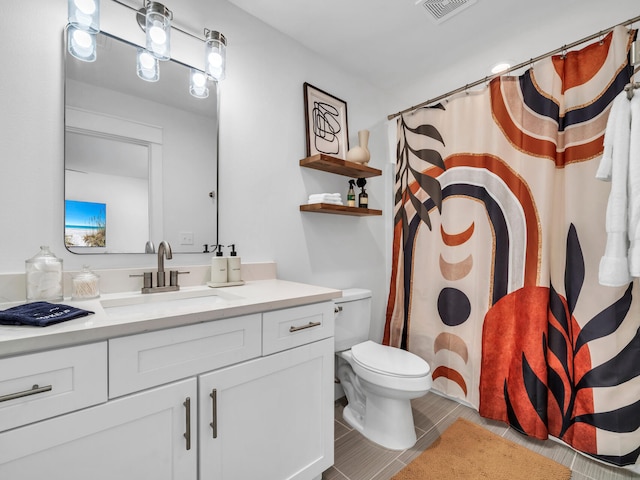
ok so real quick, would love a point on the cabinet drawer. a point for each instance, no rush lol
(42, 385)
(141, 361)
(288, 328)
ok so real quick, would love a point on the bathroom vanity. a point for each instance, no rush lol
(233, 383)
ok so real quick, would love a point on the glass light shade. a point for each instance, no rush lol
(81, 44)
(158, 29)
(85, 14)
(198, 84)
(215, 52)
(147, 66)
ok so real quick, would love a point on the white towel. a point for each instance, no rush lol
(326, 200)
(331, 196)
(634, 188)
(614, 266)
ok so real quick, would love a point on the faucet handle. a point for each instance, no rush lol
(173, 277)
(147, 281)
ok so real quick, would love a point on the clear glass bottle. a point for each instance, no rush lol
(86, 284)
(44, 276)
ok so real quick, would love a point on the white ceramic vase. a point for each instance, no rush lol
(360, 153)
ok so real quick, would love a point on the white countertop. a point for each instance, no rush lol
(253, 297)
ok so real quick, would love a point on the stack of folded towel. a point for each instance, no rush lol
(333, 198)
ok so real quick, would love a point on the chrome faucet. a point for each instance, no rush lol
(163, 249)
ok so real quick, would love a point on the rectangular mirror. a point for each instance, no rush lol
(141, 158)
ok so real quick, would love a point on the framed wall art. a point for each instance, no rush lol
(326, 123)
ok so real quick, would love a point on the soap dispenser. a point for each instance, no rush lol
(234, 265)
(218, 266)
(363, 198)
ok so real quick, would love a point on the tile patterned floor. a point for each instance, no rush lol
(356, 458)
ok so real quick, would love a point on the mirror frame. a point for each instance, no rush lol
(73, 122)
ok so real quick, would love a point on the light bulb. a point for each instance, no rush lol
(158, 35)
(146, 60)
(88, 7)
(147, 66)
(81, 44)
(215, 59)
(199, 79)
(81, 39)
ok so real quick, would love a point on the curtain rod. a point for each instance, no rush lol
(488, 78)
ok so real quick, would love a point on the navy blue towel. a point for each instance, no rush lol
(40, 314)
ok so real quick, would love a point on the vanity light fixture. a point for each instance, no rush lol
(84, 24)
(147, 66)
(215, 53)
(155, 19)
(84, 14)
(198, 84)
(81, 44)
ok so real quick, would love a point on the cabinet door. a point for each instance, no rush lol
(132, 438)
(269, 418)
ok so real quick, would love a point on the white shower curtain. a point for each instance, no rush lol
(499, 230)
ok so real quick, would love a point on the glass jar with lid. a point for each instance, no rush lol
(44, 276)
(86, 284)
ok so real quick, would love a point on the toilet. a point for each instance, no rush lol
(379, 381)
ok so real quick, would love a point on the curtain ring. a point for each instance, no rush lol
(563, 55)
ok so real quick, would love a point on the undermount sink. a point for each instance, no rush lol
(165, 303)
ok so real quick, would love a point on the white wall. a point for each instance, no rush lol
(518, 39)
(262, 138)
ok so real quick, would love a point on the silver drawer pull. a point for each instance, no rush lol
(34, 391)
(309, 325)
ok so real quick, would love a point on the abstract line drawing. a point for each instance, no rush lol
(326, 126)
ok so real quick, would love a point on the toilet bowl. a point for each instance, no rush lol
(379, 381)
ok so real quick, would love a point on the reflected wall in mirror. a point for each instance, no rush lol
(145, 150)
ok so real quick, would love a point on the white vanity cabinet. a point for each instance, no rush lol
(141, 436)
(269, 418)
(237, 398)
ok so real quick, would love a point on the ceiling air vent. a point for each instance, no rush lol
(441, 10)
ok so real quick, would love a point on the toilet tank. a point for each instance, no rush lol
(352, 318)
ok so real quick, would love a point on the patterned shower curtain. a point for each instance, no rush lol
(499, 231)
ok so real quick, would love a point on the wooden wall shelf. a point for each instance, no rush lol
(331, 164)
(339, 209)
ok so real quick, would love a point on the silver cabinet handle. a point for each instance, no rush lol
(309, 325)
(214, 412)
(34, 391)
(187, 434)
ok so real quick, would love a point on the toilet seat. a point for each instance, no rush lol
(389, 361)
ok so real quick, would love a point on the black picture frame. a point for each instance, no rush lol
(326, 123)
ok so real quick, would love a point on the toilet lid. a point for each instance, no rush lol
(389, 360)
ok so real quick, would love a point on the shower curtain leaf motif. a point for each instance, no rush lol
(564, 370)
(429, 184)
